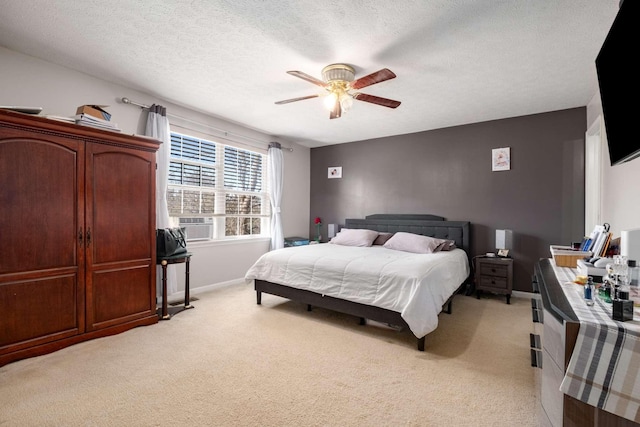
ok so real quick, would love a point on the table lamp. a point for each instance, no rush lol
(504, 242)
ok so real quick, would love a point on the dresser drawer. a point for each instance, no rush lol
(553, 339)
(487, 269)
(551, 398)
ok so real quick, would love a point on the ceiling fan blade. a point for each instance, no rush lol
(336, 112)
(307, 77)
(373, 78)
(286, 101)
(376, 100)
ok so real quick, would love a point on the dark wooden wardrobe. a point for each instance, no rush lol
(77, 234)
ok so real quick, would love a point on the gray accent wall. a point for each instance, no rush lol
(448, 172)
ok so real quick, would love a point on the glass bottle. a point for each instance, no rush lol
(607, 286)
(622, 277)
(634, 282)
(588, 291)
(605, 291)
(634, 272)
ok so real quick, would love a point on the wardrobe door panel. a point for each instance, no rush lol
(38, 311)
(39, 193)
(120, 203)
(120, 214)
(41, 263)
(119, 285)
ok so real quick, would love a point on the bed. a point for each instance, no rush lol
(375, 283)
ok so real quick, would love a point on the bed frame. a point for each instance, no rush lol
(427, 225)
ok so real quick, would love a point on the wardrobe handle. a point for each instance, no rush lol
(80, 236)
(88, 236)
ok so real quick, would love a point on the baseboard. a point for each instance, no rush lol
(179, 296)
(522, 294)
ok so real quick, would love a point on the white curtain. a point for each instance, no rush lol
(275, 168)
(158, 128)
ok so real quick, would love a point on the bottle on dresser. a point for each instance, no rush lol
(634, 282)
(588, 291)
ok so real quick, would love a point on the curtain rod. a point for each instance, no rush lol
(126, 100)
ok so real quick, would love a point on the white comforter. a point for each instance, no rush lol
(414, 285)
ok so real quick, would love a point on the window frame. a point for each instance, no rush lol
(219, 216)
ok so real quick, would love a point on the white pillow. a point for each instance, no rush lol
(354, 237)
(414, 243)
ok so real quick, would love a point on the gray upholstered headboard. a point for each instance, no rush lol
(421, 217)
(457, 231)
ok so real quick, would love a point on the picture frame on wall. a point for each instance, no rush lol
(334, 172)
(501, 159)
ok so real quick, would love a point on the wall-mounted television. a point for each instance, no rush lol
(619, 82)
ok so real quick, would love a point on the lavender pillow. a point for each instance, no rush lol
(354, 237)
(415, 243)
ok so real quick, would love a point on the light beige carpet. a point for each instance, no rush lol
(230, 362)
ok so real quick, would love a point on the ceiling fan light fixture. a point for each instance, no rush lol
(346, 102)
(330, 100)
(338, 82)
(338, 73)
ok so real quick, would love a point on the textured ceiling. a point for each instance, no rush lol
(456, 61)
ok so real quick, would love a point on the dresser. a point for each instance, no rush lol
(77, 214)
(554, 338)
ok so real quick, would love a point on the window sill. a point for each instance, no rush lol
(223, 242)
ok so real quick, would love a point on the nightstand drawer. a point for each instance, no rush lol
(494, 282)
(493, 270)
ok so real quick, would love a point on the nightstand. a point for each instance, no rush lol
(494, 274)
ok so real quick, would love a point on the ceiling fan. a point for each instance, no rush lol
(338, 81)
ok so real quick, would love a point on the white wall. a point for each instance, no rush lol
(620, 206)
(27, 81)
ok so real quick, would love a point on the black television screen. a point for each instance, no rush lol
(619, 80)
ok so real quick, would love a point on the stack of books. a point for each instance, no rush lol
(88, 120)
(598, 241)
(95, 116)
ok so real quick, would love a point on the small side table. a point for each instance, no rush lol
(494, 274)
(165, 312)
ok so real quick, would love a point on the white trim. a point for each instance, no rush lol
(522, 294)
(178, 297)
(593, 175)
(240, 240)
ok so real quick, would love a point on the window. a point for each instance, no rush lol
(216, 191)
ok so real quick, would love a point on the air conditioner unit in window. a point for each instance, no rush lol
(197, 228)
